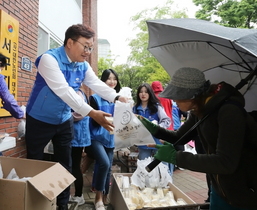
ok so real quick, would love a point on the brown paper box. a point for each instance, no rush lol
(48, 180)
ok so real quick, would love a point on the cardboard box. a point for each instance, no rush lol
(118, 202)
(48, 180)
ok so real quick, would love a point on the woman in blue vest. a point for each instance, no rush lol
(102, 142)
(148, 106)
(80, 140)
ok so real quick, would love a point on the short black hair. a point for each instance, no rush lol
(79, 30)
(3, 60)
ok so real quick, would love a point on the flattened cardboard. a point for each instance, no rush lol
(118, 202)
(52, 181)
(24, 167)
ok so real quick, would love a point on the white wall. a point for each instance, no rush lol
(57, 15)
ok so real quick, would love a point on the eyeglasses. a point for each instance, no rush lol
(86, 48)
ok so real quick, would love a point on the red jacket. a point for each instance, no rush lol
(165, 102)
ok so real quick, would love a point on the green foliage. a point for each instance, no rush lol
(139, 53)
(159, 75)
(103, 64)
(131, 76)
(232, 13)
(142, 66)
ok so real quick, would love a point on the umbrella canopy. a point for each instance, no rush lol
(222, 53)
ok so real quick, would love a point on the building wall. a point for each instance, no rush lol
(27, 13)
(90, 18)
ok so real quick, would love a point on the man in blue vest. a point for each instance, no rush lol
(61, 72)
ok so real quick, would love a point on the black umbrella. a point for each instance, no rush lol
(222, 53)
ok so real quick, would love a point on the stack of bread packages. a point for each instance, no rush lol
(144, 189)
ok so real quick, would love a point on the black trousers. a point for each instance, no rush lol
(76, 155)
(39, 133)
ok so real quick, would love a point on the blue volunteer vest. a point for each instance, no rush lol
(146, 113)
(99, 133)
(44, 104)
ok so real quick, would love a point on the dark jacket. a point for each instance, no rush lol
(229, 137)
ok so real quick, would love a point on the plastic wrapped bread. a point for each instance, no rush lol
(147, 197)
(160, 192)
(148, 191)
(180, 201)
(110, 120)
(125, 182)
(130, 204)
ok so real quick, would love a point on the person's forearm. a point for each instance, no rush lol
(9, 102)
(166, 135)
(173, 136)
(12, 107)
(99, 87)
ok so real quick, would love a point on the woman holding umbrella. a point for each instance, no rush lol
(228, 135)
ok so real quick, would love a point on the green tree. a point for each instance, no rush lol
(139, 53)
(142, 66)
(232, 13)
(104, 63)
(131, 76)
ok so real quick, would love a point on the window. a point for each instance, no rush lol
(53, 43)
(42, 42)
(46, 41)
(79, 2)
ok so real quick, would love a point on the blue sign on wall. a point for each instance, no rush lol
(26, 64)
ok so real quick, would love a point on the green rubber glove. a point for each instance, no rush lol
(166, 152)
(151, 127)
